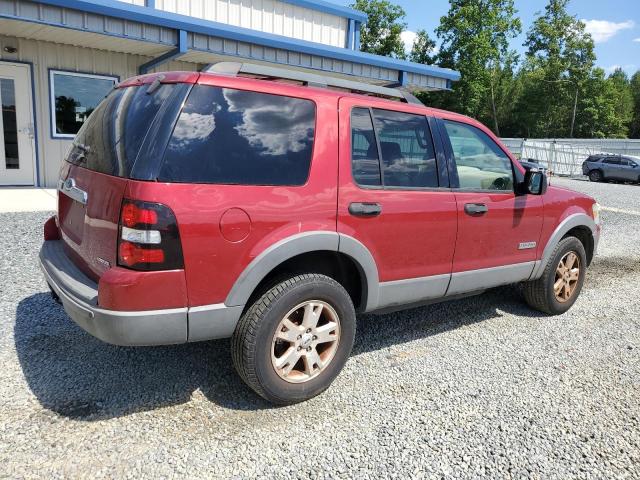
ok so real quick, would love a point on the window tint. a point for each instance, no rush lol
(74, 97)
(612, 160)
(110, 140)
(481, 164)
(408, 156)
(364, 150)
(231, 136)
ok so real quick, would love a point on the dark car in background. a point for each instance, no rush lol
(532, 163)
(623, 168)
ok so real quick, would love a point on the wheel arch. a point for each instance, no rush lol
(579, 225)
(338, 256)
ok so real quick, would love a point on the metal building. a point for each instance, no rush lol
(58, 58)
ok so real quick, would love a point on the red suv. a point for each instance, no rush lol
(196, 206)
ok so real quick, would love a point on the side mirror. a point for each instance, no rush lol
(535, 183)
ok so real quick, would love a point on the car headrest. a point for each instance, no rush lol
(390, 151)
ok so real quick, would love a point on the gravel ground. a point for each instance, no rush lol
(483, 387)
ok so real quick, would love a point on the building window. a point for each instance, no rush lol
(73, 97)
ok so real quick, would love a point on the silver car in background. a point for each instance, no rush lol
(622, 168)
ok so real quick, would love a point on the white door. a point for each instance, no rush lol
(17, 145)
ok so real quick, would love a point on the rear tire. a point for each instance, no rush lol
(558, 288)
(293, 341)
(595, 176)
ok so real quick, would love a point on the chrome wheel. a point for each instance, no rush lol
(567, 276)
(305, 341)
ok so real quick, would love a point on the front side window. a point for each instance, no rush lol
(480, 162)
(73, 97)
(238, 137)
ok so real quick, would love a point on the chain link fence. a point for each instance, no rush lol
(565, 156)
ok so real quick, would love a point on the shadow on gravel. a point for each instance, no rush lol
(77, 376)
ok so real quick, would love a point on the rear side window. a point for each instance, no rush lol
(612, 160)
(110, 139)
(228, 136)
(408, 156)
(364, 150)
(405, 147)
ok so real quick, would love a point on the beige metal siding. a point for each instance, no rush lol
(270, 16)
(48, 55)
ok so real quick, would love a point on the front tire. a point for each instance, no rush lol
(293, 341)
(558, 288)
(595, 176)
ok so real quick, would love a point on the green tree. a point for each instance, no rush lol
(598, 115)
(423, 50)
(560, 57)
(623, 98)
(381, 34)
(634, 86)
(475, 38)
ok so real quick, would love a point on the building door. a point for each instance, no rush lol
(17, 145)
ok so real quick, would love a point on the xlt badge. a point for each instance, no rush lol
(103, 262)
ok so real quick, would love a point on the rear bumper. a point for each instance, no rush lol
(79, 297)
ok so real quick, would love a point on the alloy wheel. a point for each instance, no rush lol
(567, 276)
(305, 341)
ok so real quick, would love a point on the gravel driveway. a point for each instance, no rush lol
(483, 387)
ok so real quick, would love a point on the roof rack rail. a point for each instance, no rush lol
(234, 69)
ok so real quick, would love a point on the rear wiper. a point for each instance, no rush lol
(155, 84)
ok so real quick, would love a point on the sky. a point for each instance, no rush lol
(614, 24)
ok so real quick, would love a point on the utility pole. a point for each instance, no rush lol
(575, 108)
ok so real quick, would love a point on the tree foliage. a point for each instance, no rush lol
(634, 87)
(555, 90)
(423, 50)
(475, 37)
(381, 34)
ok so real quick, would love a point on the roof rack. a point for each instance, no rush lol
(234, 69)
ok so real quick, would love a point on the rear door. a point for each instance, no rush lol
(394, 199)
(498, 231)
(94, 176)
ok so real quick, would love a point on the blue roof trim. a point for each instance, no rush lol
(180, 50)
(322, 6)
(115, 8)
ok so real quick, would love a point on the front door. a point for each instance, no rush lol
(498, 231)
(17, 146)
(392, 201)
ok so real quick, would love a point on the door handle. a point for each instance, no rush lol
(68, 187)
(475, 208)
(365, 209)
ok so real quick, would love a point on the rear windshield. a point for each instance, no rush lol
(229, 136)
(110, 139)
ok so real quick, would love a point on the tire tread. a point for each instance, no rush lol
(244, 339)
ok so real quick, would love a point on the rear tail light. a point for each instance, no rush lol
(149, 238)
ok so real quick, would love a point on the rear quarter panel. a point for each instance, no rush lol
(213, 263)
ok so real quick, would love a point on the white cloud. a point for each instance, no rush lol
(603, 30)
(193, 126)
(636, 40)
(408, 37)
